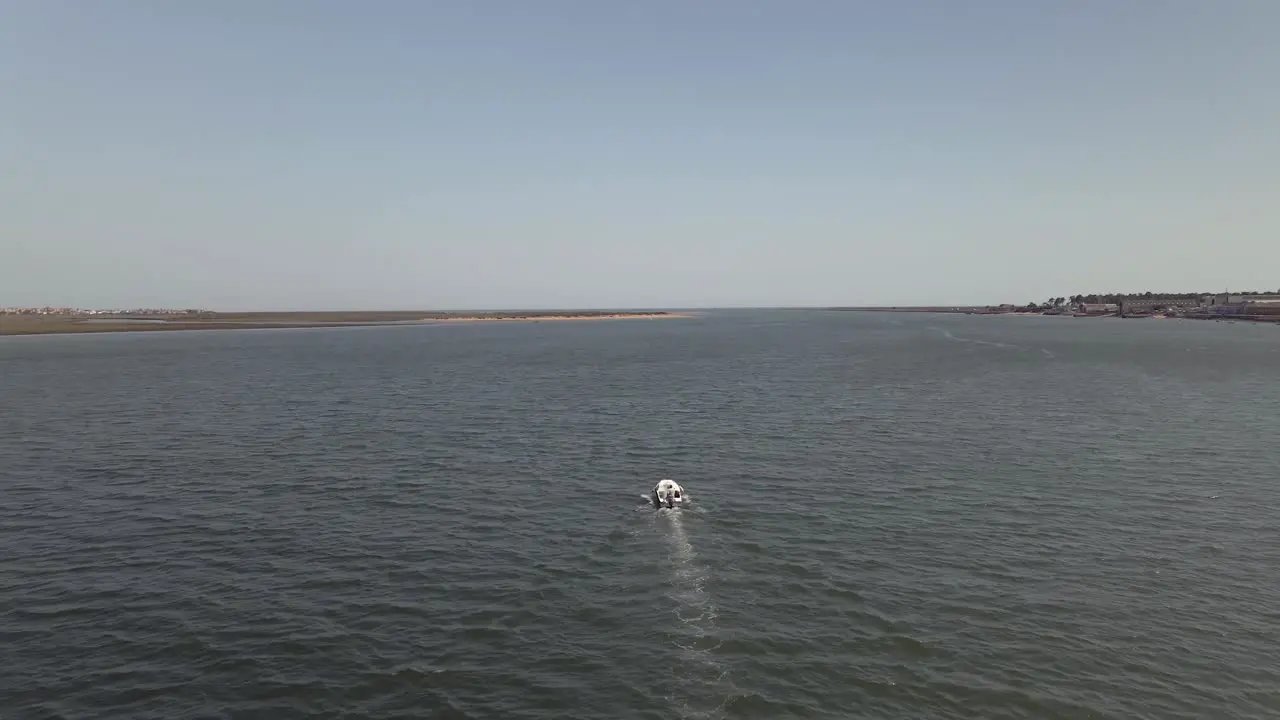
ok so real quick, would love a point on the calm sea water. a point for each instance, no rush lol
(893, 517)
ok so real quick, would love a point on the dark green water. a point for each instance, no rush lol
(894, 517)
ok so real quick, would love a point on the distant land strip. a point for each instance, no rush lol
(1222, 307)
(913, 308)
(84, 322)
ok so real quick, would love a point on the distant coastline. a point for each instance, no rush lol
(1248, 306)
(565, 316)
(1270, 316)
(47, 321)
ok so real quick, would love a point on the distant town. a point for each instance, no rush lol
(1253, 306)
(1250, 305)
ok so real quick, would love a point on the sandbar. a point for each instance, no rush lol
(59, 324)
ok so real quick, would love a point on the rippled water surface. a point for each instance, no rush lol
(894, 516)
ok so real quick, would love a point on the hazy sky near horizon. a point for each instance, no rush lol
(575, 153)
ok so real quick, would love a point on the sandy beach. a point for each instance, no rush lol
(54, 324)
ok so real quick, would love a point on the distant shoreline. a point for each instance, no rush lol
(1022, 312)
(31, 324)
(557, 317)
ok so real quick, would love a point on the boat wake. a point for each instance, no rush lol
(947, 334)
(989, 343)
(699, 686)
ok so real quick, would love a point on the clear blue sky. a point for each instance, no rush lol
(479, 154)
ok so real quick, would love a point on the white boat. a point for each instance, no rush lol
(668, 493)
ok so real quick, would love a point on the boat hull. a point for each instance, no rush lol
(667, 494)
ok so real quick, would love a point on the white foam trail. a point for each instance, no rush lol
(947, 334)
(689, 576)
(701, 678)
